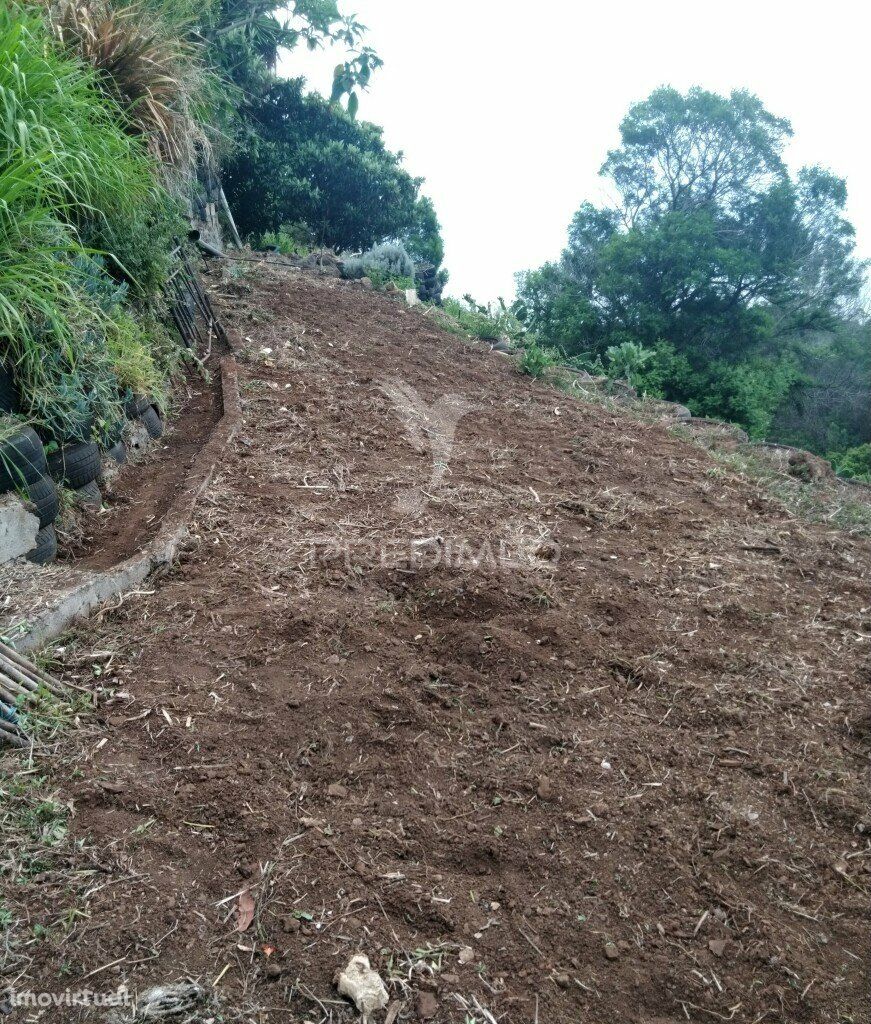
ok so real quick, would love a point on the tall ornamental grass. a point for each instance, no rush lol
(72, 182)
(51, 111)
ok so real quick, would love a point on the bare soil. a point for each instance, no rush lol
(581, 737)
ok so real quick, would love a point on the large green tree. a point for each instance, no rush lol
(303, 160)
(711, 252)
(308, 161)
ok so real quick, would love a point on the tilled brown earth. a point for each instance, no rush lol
(563, 723)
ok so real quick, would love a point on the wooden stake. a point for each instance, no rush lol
(226, 208)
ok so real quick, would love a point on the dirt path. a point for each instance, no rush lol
(575, 734)
(142, 493)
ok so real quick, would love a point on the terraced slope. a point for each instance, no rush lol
(555, 719)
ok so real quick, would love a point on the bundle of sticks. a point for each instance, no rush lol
(20, 680)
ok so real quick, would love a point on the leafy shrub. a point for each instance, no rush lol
(472, 321)
(289, 240)
(535, 360)
(747, 392)
(128, 347)
(379, 280)
(627, 360)
(489, 323)
(586, 361)
(385, 262)
(854, 463)
(138, 245)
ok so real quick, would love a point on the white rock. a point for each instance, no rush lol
(363, 986)
(139, 439)
(411, 297)
(18, 528)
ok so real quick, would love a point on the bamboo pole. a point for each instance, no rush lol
(8, 697)
(11, 656)
(13, 687)
(226, 208)
(12, 673)
(12, 737)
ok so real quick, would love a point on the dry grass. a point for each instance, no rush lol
(143, 66)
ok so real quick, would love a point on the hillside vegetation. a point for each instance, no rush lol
(111, 116)
(475, 653)
(718, 278)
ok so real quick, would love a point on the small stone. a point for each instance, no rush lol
(600, 809)
(366, 282)
(717, 946)
(290, 924)
(611, 951)
(449, 979)
(274, 971)
(563, 980)
(545, 789)
(466, 955)
(427, 1005)
(362, 985)
(337, 790)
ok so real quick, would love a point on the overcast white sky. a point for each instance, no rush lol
(508, 109)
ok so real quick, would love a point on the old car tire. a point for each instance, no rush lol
(42, 494)
(152, 423)
(46, 547)
(22, 460)
(75, 464)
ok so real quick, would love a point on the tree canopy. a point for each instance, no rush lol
(712, 253)
(299, 159)
(309, 161)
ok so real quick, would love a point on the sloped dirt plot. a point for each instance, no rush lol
(577, 734)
